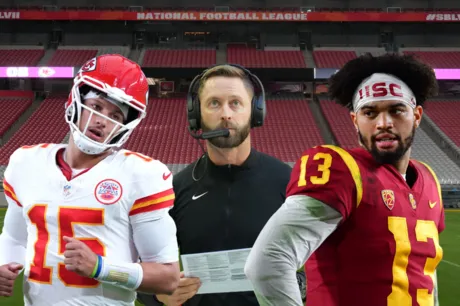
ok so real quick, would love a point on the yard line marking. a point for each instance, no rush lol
(451, 263)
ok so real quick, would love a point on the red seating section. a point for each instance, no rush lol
(441, 59)
(46, 125)
(253, 58)
(446, 115)
(163, 134)
(289, 130)
(340, 124)
(71, 57)
(179, 58)
(11, 110)
(332, 59)
(21, 57)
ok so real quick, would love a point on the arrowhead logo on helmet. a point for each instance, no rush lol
(89, 66)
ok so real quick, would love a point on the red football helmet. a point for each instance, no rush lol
(117, 79)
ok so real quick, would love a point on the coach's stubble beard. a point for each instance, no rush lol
(232, 141)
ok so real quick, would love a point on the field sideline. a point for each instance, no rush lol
(448, 270)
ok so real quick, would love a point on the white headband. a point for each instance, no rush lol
(123, 107)
(382, 87)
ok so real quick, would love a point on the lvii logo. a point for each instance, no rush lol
(10, 15)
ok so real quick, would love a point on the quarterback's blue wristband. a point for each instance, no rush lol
(95, 269)
(99, 266)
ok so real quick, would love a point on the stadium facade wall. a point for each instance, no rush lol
(311, 35)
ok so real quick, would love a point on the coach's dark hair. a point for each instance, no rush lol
(420, 77)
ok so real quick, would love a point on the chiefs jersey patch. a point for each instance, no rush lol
(388, 197)
(108, 192)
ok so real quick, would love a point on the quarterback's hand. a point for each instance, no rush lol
(187, 288)
(8, 274)
(78, 257)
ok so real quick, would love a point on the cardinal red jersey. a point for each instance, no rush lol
(386, 249)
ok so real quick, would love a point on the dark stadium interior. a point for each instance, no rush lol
(292, 58)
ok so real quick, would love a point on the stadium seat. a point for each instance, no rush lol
(71, 57)
(289, 129)
(179, 58)
(332, 59)
(340, 123)
(20, 57)
(11, 110)
(446, 114)
(441, 59)
(252, 58)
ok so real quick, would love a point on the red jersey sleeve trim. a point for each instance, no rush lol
(153, 202)
(9, 191)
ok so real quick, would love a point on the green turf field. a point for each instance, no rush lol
(448, 271)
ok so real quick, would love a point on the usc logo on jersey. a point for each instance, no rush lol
(388, 197)
(108, 192)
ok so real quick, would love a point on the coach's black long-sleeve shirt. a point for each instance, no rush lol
(226, 209)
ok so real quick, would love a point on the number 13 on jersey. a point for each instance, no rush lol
(323, 168)
(424, 229)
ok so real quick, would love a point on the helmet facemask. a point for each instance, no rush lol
(120, 132)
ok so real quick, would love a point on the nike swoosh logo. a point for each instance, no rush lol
(166, 176)
(194, 197)
(432, 204)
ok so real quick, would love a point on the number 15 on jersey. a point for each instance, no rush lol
(40, 272)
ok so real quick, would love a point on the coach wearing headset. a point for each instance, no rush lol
(224, 199)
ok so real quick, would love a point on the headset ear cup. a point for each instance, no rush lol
(193, 105)
(193, 114)
(263, 109)
(258, 102)
(190, 108)
(197, 113)
(258, 111)
(254, 111)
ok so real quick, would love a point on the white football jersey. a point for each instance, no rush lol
(98, 207)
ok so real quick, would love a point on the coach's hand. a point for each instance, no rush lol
(8, 274)
(78, 257)
(188, 287)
